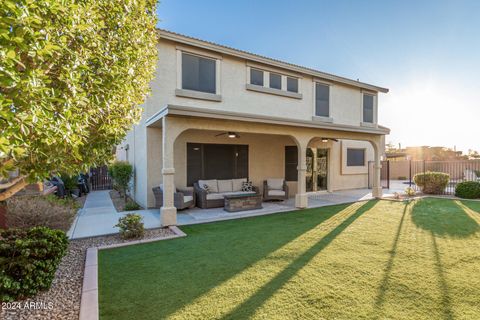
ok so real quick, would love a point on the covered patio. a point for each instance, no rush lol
(174, 121)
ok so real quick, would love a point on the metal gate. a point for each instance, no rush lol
(100, 179)
(384, 174)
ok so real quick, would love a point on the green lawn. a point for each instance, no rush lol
(376, 259)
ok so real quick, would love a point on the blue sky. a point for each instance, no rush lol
(426, 52)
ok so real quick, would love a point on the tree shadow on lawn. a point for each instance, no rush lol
(247, 308)
(161, 278)
(444, 218)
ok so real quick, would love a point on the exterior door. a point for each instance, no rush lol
(317, 169)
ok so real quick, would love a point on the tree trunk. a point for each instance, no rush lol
(3, 215)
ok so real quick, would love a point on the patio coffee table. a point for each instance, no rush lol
(242, 202)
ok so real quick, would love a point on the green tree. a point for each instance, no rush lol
(121, 173)
(72, 76)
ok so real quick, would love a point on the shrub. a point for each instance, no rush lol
(46, 211)
(131, 205)
(131, 226)
(121, 172)
(477, 172)
(468, 190)
(70, 182)
(409, 191)
(402, 178)
(432, 182)
(28, 260)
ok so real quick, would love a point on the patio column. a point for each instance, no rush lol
(377, 184)
(301, 198)
(168, 212)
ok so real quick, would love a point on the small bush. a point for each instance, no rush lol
(432, 182)
(70, 182)
(477, 172)
(409, 191)
(46, 211)
(121, 172)
(28, 260)
(131, 205)
(131, 226)
(402, 178)
(468, 190)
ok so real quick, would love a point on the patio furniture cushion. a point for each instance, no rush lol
(238, 192)
(275, 184)
(237, 184)
(247, 186)
(214, 196)
(212, 185)
(187, 198)
(225, 185)
(276, 193)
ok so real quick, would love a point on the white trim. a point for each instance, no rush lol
(254, 87)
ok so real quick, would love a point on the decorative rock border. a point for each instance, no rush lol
(89, 309)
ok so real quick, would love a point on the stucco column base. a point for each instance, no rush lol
(377, 192)
(169, 216)
(301, 200)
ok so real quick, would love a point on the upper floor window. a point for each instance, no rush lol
(322, 100)
(275, 81)
(368, 102)
(292, 84)
(355, 157)
(198, 73)
(256, 77)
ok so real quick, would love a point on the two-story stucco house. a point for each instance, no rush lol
(219, 112)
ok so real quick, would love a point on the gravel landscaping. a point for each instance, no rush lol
(62, 301)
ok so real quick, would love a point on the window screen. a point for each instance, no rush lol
(275, 81)
(367, 108)
(291, 163)
(355, 157)
(198, 73)
(322, 100)
(292, 84)
(256, 77)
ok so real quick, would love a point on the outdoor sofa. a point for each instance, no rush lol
(218, 189)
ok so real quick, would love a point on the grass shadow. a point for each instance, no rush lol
(146, 276)
(247, 308)
(382, 290)
(443, 218)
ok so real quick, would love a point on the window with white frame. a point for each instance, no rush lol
(275, 81)
(292, 84)
(198, 73)
(262, 80)
(322, 99)
(368, 107)
(355, 157)
(256, 77)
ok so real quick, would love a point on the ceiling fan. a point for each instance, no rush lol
(229, 134)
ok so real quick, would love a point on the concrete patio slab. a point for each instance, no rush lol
(99, 216)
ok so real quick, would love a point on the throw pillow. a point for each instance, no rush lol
(206, 188)
(247, 186)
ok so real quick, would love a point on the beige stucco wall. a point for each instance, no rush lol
(345, 101)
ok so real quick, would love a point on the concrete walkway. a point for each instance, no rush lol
(99, 216)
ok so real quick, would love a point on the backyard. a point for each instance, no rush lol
(375, 259)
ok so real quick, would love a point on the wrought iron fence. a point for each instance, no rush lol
(458, 171)
(100, 179)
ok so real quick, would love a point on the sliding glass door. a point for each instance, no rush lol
(317, 169)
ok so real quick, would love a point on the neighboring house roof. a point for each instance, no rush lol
(165, 34)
